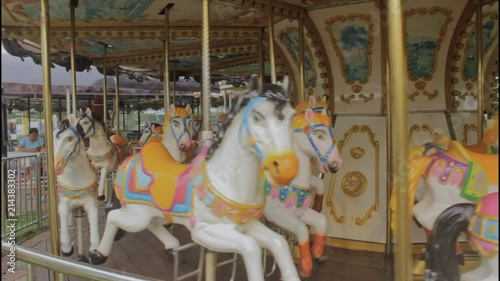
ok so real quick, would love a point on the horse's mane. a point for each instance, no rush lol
(63, 126)
(273, 93)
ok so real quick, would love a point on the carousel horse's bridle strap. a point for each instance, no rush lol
(151, 134)
(491, 149)
(92, 127)
(308, 129)
(244, 124)
(185, 131)
(77, 143)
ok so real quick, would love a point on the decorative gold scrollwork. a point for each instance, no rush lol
(353, 178)
(366, 98)
(347, 99)
(424, 128)
(467, 128)
(357, 152)
(354, 184)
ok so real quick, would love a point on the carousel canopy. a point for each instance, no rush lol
(135, 32)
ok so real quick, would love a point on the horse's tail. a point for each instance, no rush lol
(441, 260)
(114, 204)
(416, 169)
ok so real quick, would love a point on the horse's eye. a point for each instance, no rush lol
(85, 122)
(70, 139)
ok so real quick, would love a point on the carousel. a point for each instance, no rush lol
(298, 139)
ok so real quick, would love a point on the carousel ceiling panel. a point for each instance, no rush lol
(136, 12)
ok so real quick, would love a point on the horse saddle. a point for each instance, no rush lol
(163, 170)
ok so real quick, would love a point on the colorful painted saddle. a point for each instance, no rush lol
(483, 228)
(470, 172)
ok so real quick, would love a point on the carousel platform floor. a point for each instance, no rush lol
(142, 254)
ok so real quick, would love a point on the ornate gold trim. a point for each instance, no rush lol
(442, 32)
(357, 152)
(470, 35)
(338, 52)
(354, 183)
(355, 245)
(424, 128)
(348, 98)
(467, 128)
(375, 144)
(368, 98)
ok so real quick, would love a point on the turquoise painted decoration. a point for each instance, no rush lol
(470, 62)
(290, 39)
(425, 29)
(354, 42)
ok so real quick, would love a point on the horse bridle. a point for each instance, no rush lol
(308, 129)
(147, 138)
(92, 127)
(77, 143)
(185, 131)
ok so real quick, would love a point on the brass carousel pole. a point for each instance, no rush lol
(480, 77)
(105, 90)
(72, 5)
(117, 99)
(271, 40)
(49, 141)
(166, 78)
(173, 85)
(302, 87)
(262, 63)
(399, 126)
(207, 134)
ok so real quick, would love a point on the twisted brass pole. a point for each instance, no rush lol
(272, 61)
(49, 140)
(480, 77)
(72, 5)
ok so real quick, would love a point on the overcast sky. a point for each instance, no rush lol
(16, 71)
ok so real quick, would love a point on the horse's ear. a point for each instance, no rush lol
(254, 83)
(72, 120)
(310, 115)
(149, 123)
(312, 100)
(325, 97)
(188, 109)
(55, 120)
(88, 112)
(286, 86)
(171, 110)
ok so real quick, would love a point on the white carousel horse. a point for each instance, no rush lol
(76, 182)
(288, 206)
(102, 153)
(480, 221)
(452, 176)
(218, 197)
(152, 132)
(176, 127)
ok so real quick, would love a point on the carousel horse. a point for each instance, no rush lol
(121, 146)
(101, 153)
(176, 127)
(442, 143)
(480, 222)
(288, 206)
(218, 197)
(76, 182)
(452, 176)
(152, 132)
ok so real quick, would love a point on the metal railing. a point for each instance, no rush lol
(24, 192)
(65, 267)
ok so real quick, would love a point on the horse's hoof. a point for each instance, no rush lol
(82, 258)
(170, 254)
(69, 254)
(101, 198)
(303, 276)
(461, 259)
(315, 262)
(97, 258)
(119, 234)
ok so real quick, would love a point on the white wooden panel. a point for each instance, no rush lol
(465, 126)
(423, 126)
(353, 212)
